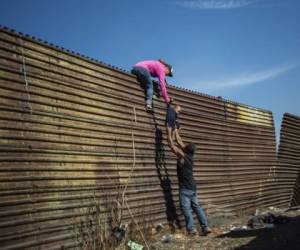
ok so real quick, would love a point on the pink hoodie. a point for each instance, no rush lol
(156, 69)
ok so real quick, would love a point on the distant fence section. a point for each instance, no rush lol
(73, 129)
(289, 160)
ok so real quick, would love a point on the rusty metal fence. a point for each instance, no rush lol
(289, 160)
(73, 128)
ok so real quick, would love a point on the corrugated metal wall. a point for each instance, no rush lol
(72, 129)
(289, 160)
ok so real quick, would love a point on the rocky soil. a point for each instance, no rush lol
(233, 233)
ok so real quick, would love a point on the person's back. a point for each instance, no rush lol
(155, 68)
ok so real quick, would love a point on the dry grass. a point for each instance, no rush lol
(103, 225)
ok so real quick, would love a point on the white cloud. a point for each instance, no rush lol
(247, 78)
(215, 4)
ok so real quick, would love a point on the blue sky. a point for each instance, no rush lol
(243, 50)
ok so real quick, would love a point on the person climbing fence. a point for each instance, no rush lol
(145, 70)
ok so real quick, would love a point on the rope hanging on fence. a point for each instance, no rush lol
(133, 153)
(124, 199)
(25, 77)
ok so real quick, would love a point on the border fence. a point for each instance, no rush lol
(74, 131)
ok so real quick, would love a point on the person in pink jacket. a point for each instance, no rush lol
(144, 70)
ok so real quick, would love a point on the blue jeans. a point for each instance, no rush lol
(144, 77)
(189, 202)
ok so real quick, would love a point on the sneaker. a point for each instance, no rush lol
(205, 232)
(149, 108)
(192, 233)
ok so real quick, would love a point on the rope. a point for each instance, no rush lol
(137, 225)
(25, 77)
(134, 160)
(132, 168)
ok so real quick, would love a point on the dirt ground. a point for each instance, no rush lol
(234, 234)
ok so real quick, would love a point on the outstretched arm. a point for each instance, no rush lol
(163, 88)
(177, 151)
(178, 139)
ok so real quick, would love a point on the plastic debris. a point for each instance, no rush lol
(167, 238)
(159, 227)
(118, 233)
(134, 246)
(238, 228)
(269, 219)
(269, 225)
(257, 212)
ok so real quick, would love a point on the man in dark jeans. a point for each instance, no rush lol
(188, 190)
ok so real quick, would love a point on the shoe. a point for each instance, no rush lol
(149, 108)
(192, 233)
(205, 232)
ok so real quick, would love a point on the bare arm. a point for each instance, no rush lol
(177, 151)
(178, 139)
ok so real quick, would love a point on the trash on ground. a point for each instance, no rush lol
(238, 228)
(179, 236)
(267, 220)
(134, 246)
(269, 225)
(167, 238)
(118, 233)
(159, 227)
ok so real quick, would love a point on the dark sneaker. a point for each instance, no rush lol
(205, 232)
(192, 233)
